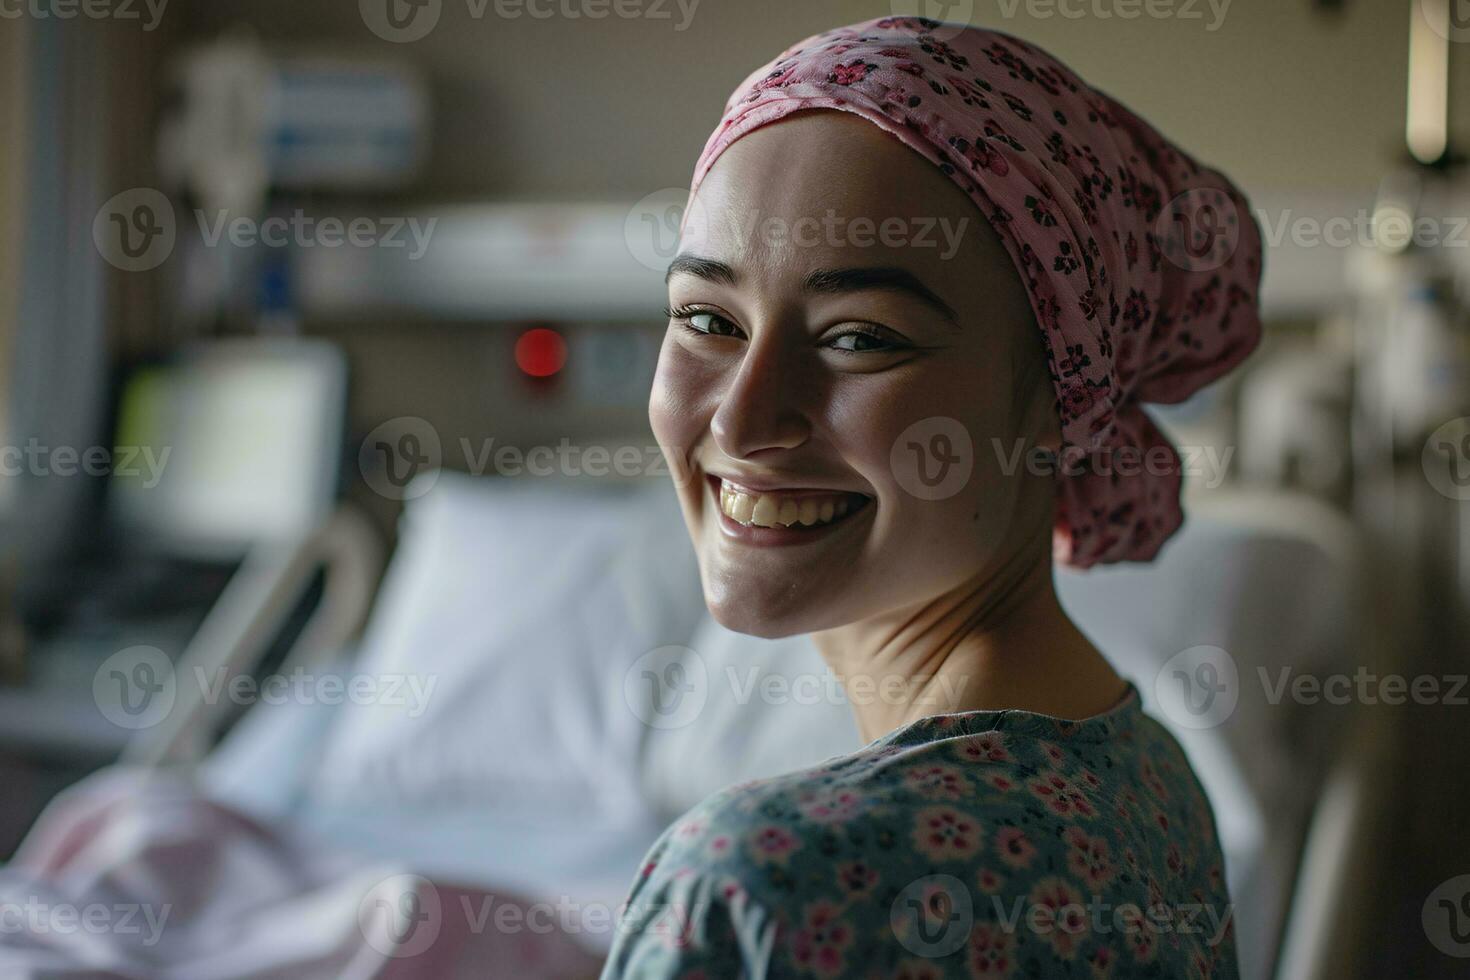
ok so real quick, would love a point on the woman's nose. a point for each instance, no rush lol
(761, 409)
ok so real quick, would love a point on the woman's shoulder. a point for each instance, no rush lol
(1020, 772)
(1005, 826)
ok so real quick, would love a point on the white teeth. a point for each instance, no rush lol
(774, 510)
(742, 507)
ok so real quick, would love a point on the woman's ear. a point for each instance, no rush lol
(1042, 425)
(1038, 421)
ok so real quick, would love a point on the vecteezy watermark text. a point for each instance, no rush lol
(403, 915)
(1121, 9)
(304, 231)
(136, 230)
(1363, 686)
(669, 686)
(405, 21)
(90, 9)
(1200, 687)
(833, 230)
(1209, 464)
(935, 915)
(409, 691)
(37, 917)
(399, 458)
(665, 222)
(38, 459)
(137, 688)
(1391, 230)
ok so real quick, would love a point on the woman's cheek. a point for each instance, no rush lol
(884, 426)
(676, 403)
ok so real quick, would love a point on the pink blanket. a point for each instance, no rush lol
(133, 875)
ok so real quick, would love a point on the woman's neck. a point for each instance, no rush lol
(999, 641)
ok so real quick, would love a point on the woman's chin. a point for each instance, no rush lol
(764, 609)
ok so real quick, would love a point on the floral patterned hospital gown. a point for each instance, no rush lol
(979, 844)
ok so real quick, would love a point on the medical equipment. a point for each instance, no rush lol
(224, 462)
(245, 120)
(247, 435)
(245, 128)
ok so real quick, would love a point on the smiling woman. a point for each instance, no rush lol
(791, 370)
(832, 384)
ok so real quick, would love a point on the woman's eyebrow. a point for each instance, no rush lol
(694, 265)
(825, 280)
(879, 277)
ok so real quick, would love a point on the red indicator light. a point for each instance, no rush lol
(541, 352)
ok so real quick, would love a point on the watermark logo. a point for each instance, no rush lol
(658, 227)
(1446, 458)
(400, 21)
(401, 916)
(667, 687)
(135, 688)
(941, 692)
(135, 230)
(660, 223)
(932, 916)
(411, 692)
(1198, 687)
(1199, 229)
(397, 451)
(933, 458)
(1446, 917)
(138, 687)
(394, 457)
(1450, 19)
(954, 15)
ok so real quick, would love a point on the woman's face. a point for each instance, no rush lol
(839, 381)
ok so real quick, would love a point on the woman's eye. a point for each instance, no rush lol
(861, 341)
(705, 322)
(712, 323)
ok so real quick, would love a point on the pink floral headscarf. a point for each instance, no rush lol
(1142, 265)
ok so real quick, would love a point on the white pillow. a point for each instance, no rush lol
(768, 707)
(516, 606)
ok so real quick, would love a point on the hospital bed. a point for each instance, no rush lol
(532, 758)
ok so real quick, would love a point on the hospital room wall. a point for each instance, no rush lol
(1281, 94)
(566, 106)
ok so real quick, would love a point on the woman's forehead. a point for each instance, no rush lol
(810, 162)
(829, 189)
